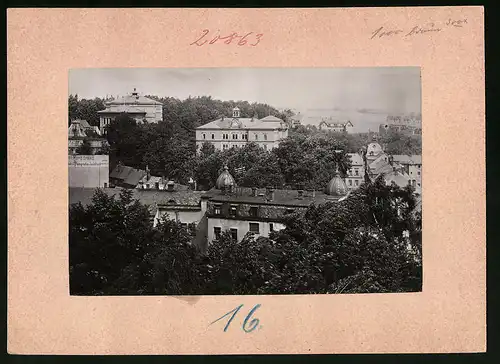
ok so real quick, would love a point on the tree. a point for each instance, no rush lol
(85, 148)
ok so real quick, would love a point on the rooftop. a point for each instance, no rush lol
(133, 98)
(122, 109)
(146, 197)
(127, 175)
(281, 197)
(269, 122)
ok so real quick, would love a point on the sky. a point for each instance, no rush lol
(338, 92)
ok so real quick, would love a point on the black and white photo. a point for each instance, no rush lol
(245, 181)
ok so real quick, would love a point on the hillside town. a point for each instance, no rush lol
(243, 179)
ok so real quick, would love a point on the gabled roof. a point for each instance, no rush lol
(84, 123)
(399, 179)
(271, 118)
(356, 159)
(122, 109)
(133, 99)
(127, 175)
(244, 123)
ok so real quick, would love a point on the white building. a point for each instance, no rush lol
(225, 133)
(138, 107)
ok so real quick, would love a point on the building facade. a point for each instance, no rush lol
(355, 175)
(227, 132)
(243, 210)
(88, 171)
(141, 108)
(335, 126)
(410, 124)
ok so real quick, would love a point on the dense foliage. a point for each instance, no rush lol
(370, 242)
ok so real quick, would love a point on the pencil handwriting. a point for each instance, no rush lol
(418, 29)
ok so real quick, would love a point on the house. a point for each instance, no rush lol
(242, 210)
(410, 124)
(80, 132)
(412, 165)
(142, 109)
(355, 175)
(227, 132)
(335, 126)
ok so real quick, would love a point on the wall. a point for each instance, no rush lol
(88, 170)
(182, 216)
(242, 226)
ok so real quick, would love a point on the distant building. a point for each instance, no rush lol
(410, 124)
(355, 175)
(80, 132)
(141, 108)
(227, 132)
(242, 210)
(296, 120)
(412, 165)
(335, 126)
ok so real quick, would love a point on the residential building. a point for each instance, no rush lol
(412, 165)
(355, 175)
(141, 108)
(335, 126)
(227, 132)
(242, 210)
(78, 133)
(411, 124)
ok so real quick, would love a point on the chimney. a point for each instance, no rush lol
(269, 194)
(300, 194)
(254, 192)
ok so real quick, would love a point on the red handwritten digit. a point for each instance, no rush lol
(205, 32)
(230, 38)
(258, 36)
(214, 40)
(243, 41)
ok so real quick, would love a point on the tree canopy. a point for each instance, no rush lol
(370, 242)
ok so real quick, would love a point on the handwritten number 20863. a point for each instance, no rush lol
(243, 39)
(248, 325)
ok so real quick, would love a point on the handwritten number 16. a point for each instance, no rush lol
(247, 326)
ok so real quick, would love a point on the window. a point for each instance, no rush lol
(271, 226)
(253, 211)
(256, 137)
(232, 211)
(217, 210)
(225, 136)
(225, 146)
(265, 146)
(235, 136)
(192, 227)
(265, 136)
(254, 227)
(418, 172)
(105, 185)
(213, 136)
(204, 136)
(356, 182)
(217, 232)
(147, 186)
(157, 185)
(350, 182)
(356, 172)
(234, 234)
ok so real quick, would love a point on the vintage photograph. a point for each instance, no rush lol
(245, 181)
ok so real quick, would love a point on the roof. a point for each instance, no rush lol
(127, 175)
(400, 179)
(83, 123)
(133, 99)
(271, 118)
(281, 197)
(407, 159)
(356, 159)
(336, 187)
(121, 109)
(244, 123)
(146, 197)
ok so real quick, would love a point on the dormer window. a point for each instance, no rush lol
(217, 209)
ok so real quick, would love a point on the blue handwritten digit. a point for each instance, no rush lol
(234, 312)
(254, 322)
